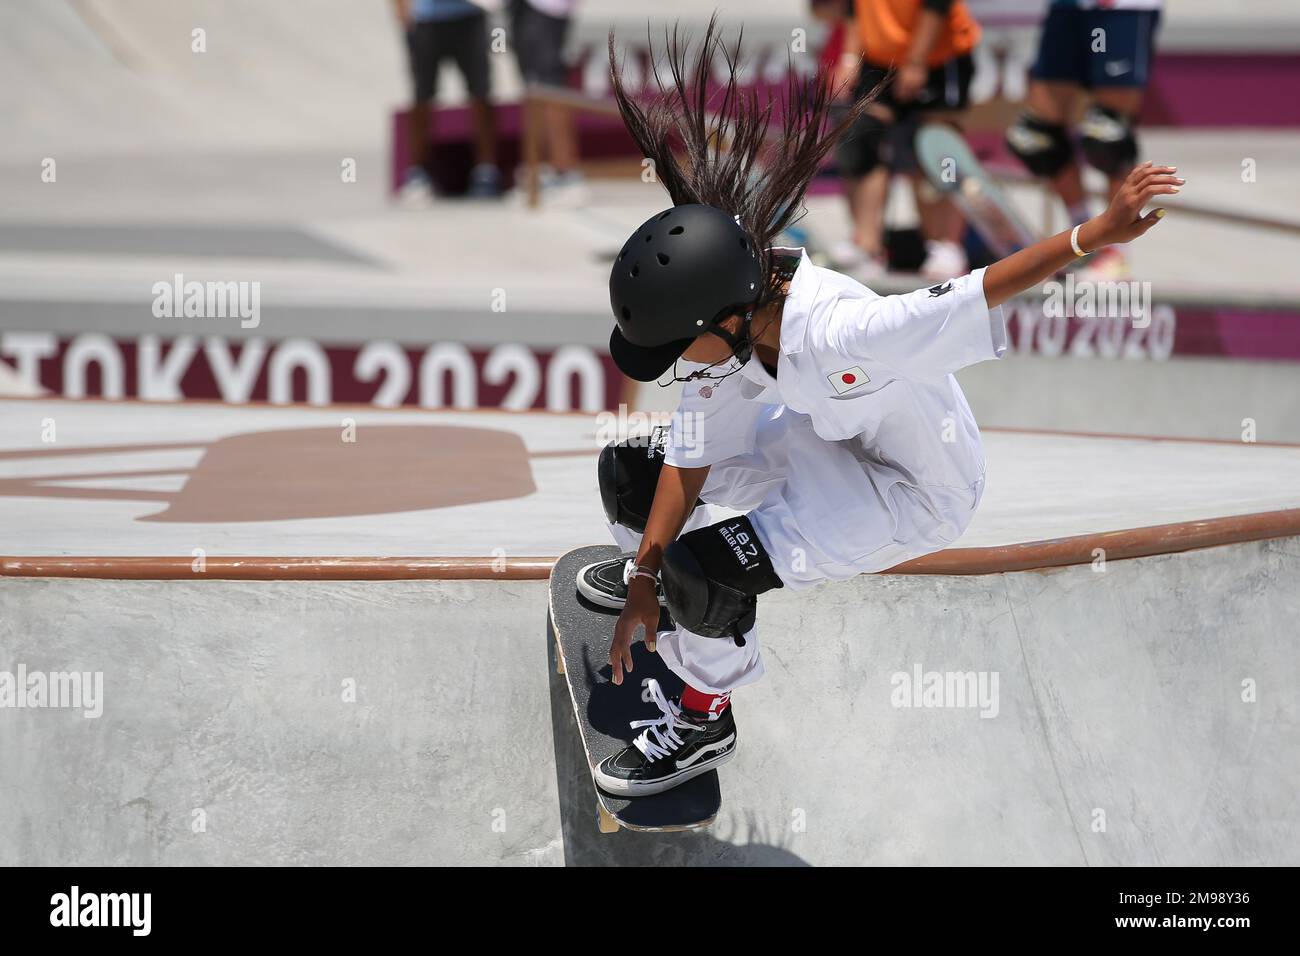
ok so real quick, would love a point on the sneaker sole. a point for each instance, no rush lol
(618, 787)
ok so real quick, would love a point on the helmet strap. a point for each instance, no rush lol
(741, 346)
(741, 349)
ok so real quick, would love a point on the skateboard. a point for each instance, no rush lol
(952, 169)
(582, 632)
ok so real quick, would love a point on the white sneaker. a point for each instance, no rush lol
(846, 254)
(554, 190)
(416, 191)
(943, 260)
(567, 190)
(518, 196)
(851, 259)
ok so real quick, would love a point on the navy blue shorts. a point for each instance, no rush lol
(1065, 51)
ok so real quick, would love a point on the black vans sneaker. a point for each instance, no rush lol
(605, 582)
(674, 747)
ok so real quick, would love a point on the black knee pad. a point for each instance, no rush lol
(712, 578)
(1108, 141)
(1043, 147)
(862, 147)
(627, 473)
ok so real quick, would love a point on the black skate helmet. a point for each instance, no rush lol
(681, 272)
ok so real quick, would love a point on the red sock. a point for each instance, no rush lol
(711, 704)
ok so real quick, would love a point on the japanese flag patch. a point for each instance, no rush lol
(846, 380)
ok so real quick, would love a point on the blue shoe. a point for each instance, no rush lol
(484, 182)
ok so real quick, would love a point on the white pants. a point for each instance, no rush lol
(824, 511)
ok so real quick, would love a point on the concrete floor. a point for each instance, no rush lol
(137, 478)
(1146, 715)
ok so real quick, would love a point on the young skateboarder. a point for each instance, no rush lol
(826, 414)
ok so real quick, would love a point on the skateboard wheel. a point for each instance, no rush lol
(605, 822)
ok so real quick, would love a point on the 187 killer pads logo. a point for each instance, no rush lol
(742, 545)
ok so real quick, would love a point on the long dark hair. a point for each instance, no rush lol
(710, 148)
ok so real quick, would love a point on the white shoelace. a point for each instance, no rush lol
(663, 728)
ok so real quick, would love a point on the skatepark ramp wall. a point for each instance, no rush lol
(1140, 712)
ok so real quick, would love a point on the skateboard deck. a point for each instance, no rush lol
(951, 167)
(604, 711)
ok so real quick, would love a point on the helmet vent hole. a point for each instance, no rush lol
(663, 259)
(648, 237)
(636, 270)
(621, 255)
(676, 230)
(743, 244)
(627, 314)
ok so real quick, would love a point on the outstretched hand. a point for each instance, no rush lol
(1123, 220)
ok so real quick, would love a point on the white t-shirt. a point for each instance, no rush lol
(858, 365)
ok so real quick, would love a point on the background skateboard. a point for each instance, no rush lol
(951, 167)
(582, 633)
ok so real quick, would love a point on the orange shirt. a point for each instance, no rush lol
(886, 29)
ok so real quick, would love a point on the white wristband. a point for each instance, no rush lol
(638, 571)
(1074, 241)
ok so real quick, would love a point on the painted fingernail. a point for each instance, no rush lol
(1160, 214)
